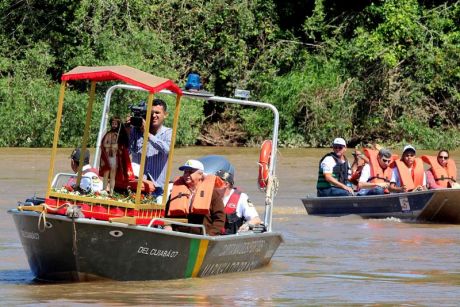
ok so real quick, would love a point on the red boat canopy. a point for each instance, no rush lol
(124, 73)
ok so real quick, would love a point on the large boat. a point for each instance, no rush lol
(69, 236)
(437, 206)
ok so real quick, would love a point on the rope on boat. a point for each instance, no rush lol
(45, 208)
(42, 215)
(74, 238)
(272, 186)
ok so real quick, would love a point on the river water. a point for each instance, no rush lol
(323, 261)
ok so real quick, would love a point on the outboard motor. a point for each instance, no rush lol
(214, 163)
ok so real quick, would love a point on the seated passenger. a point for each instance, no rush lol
(443, 171)
(195, 196)
(408, 175)
(334, 171)
(86, 185)
(241, 215)
(359, 161)
(376, 175)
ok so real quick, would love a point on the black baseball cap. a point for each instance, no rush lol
(76, 155)
(226, 176)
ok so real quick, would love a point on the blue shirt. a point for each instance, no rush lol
(157, 153)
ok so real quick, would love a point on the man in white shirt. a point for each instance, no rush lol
(241, 215)
(334, 172)
(413, 170)
(377, 180)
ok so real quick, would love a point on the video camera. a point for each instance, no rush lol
(139, 113)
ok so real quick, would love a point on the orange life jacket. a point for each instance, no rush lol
(377, 173)
(441, 174)
(179, 204)
(406, 177)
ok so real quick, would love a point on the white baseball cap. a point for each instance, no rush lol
(339, 141)
(408, 147)
(192, 164)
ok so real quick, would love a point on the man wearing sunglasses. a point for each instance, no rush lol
(376, 175)
(409, 174)
(334, 172)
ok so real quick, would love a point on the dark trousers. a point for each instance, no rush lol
(332, 191)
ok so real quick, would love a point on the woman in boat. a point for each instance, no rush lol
(359, 160)
(442, 172)
(334, 172)
(409, 174)
(196, 196)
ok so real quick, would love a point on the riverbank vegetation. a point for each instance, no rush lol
(371, 71)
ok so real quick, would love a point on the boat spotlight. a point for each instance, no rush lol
(193, 82)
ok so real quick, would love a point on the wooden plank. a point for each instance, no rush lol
(38, 208)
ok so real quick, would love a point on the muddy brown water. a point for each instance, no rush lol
(323, 261)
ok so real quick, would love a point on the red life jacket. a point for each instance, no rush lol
(441, 174)
(232, 221)
(72, 180)
(232, 203)
(408, 180)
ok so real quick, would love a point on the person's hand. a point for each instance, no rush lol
(167, 227)
(420, 188)
(349, 190)
(245, 227)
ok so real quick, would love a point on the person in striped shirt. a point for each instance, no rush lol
(157, 146)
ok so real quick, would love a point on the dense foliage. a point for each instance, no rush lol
(371, 71)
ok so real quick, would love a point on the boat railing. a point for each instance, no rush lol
(63, 179)
(272, 185)
(172, 222)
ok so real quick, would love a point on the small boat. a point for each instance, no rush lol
(436, 206)
(68, 236)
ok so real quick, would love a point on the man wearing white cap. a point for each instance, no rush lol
(334, 172)
(409, 174)
(194, 196)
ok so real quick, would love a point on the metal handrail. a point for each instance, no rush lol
(273, 182)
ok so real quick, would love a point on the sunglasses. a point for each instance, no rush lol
(338, 146)
(443, 157)
(386, 160)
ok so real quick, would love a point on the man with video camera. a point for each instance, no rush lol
(158, 143)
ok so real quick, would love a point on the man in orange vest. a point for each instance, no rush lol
(375, 179)
(409, 174)
(194, 196)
